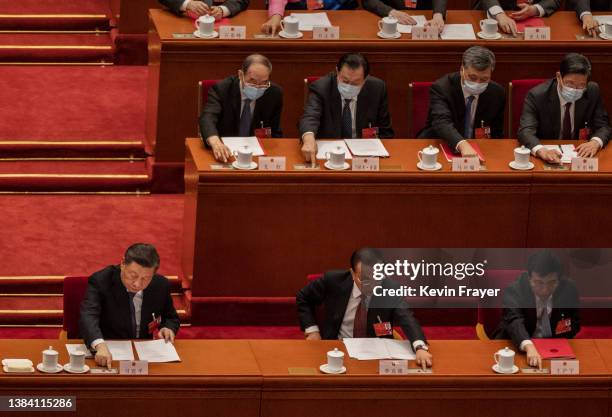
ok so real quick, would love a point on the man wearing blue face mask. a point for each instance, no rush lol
(239, 104)
(466, 104)
(567, 107)
(344, 103)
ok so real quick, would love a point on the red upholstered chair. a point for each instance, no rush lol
(74, 292)
(517, 91)
(490, 316)
(203, 87)
(307, 82)
(418, 105)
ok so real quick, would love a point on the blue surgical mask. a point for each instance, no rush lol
(473, 88)
(348, 91)
(253, 93)
(570, 94)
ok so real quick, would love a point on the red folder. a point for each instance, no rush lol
(450, 154)
(554, 348)
(530, 22)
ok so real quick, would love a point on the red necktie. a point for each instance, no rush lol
(361, 318)
(567, 123)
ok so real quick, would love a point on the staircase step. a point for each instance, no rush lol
(54, 14)
(72, 149)
(73, 176)
(63, 47)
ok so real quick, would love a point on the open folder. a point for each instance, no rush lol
(372, 348)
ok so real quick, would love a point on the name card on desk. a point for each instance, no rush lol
(232, 32)
(370, 163)
(469, 164)
(537, 34)
(564, 367)
(395, 367)
(585, 164)
(272, 163)
(425, 33)
(133, 368)
(325, 33)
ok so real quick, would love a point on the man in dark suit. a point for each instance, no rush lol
(226, 8)
(240, 104)
(127, 301)
(541, 303)
(535, 8)
(343, 103)
(351, 309)
(567, 107)
(394, 8)
(466, 104)
(584, 9)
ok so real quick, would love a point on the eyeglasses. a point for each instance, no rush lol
(265, 84)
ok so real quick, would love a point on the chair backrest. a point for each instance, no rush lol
(307, 81)
(490, 316)
(418, 105)
(74, 292)
(203, 87)
(517, 91)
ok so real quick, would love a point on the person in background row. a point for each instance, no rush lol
(276, 10)
(523, 10)
(198, 8)
(397, 8)
(567, 107)
(584, 9)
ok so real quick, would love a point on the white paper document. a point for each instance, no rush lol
(308, 20)
(367, 147)
(567, 152)
(420, 21)
(462, 31)
(235, 143)
(373, 348)
(325, 146)
(73, 348)
(603, 19)
(157, 350)
(121, 350)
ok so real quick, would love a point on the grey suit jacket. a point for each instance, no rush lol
(581, 6)
(383, 7)
(234, 6)
(550, 6)
(541, 118)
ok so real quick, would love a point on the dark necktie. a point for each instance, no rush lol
(133, 314)
(347, 120)
(467, 123)
(245, 119)
(361, 318)
(567, 123)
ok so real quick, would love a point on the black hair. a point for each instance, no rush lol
(354, 60)
(256, 59)
(143, 254)
(543, 263)
(575, 64)
(367, 256)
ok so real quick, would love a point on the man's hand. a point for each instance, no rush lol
(526, 11)
(549, 155)
(466, 149)
(216, 12)
(220, 151)
(436, 22)
(506, 24)
(272, 25)
(424, 359)
(309, 149)
(103, 355)
(402, 18)
(590, 25)
(166, 334)
(588, 149)
(313, 336)
(533, 357)
(198, 8)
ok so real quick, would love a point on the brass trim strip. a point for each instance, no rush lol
(48, 16)
(99, 64)
(56, 295)
(59, 142)
(137, 193)
(31, 325)
(93, 32)
(79, 47)
(24, 312)
(52, 277)
(77, 159)
(122, 176)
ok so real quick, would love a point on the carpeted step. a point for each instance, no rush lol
(73, 176)
(54, 14)
(56, 48)
(72, 148)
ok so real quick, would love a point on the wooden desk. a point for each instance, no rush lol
(215, 378)
(462, 384)
(263, 232)
(176, 66)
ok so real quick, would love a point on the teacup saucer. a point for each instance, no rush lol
(515, 369)
(84, 370)
(285, 35)
(529, 166)
(252, 166)
(58, 368)
(383, 35)
(482, 35)
(324, 368)
(436, 167)
(333, 168)
(200, 35)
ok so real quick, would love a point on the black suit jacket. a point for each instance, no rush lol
(541, 116)
(519, 318)
(383, 7)
(333, 292)
(549, 6)
(221, 115)
(234, 6)
(105, 310)
(445, 119)
(581, 6)
(323, 110)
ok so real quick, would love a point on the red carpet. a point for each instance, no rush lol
(54, 14)
(37, 47)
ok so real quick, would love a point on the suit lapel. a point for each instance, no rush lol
(122, 301)
(236, 99)
(362, 106)
(579, 114)
(458, 99)
(346, 290)
(336, 108)
(555, 108)
(146, 311)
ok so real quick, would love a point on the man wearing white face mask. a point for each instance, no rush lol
(567, 107)
(466, 104)
(344, 103)
(239, 104)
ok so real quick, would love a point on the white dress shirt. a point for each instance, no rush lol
(543, 310)
(137, 312)
(473, 110)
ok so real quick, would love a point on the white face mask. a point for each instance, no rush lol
(348, 91)
(570, 94)
(473, 88)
